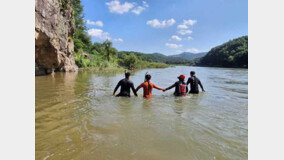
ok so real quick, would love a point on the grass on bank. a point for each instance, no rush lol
(99, 62)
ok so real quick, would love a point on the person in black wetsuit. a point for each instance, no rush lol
(125, 85)
(180, 87)
(194, 82)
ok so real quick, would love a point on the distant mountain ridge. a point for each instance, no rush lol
(183, 58)
(189, 55)
(233, 53)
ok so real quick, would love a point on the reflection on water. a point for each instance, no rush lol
(78, 118)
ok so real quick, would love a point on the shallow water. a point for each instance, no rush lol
(78, 118)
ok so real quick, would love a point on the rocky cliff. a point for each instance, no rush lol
(54, 28)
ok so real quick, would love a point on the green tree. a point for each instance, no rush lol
(100, 54)
(230, 54)
(129, 60)
(109, 49)
(81, 39)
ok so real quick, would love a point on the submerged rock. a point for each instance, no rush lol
(54, 28)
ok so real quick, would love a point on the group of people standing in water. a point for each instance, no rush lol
(181, 88)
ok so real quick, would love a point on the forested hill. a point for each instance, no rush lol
(230, 54)
(183, 58)
(190, 56)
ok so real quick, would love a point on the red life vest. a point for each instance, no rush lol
(182, 89)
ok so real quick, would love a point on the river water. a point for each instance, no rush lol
(76, 117)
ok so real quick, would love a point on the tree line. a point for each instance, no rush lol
(230, 54)
(88, 54)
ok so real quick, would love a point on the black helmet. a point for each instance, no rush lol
(127, 74)
(147, 76)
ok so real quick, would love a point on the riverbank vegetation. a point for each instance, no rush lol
(157, 57)
(102, 55)
(231, 54)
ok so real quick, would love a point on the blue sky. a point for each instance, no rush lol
(166, 26)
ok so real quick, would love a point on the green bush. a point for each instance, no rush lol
(132, 60)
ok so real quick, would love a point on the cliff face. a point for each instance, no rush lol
(54, 28)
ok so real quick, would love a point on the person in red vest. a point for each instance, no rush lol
(180, 87)
(148, 87)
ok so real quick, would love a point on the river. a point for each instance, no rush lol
(76, 117)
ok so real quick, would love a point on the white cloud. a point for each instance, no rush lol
(96, 23)
(177, 38)
(118, 40)
(182, 26)
(98, 33)
(137, 10)
(189, 38)
(184, 31)
(145, 4)
(173, 46)
(116, 7)
(189, 22)
(193, 50)
(161, 24)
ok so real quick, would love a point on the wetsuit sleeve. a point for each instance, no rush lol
(186, 89)
(199, 82)
(157, 87)
(133, 89)
(117, 86)
(170, 87)
(139, 87)
(188, 81)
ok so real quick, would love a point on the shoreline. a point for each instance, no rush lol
(121, 69)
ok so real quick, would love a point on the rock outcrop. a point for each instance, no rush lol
(54, 28)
